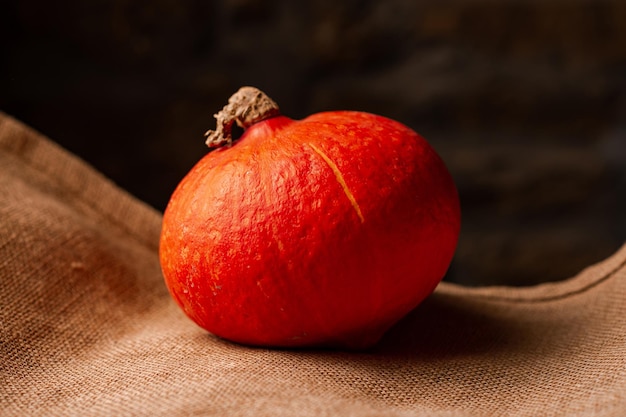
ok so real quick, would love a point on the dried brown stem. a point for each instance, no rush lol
(246, 107)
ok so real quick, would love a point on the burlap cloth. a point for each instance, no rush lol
(88, 329)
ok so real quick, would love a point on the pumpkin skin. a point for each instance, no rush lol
(318, 232)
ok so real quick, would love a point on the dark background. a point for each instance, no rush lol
(525, 100)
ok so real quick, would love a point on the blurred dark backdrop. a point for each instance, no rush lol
(525, 100)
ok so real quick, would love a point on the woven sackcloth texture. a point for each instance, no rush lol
(87, 327)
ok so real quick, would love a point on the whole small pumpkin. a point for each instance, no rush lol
(319, 232)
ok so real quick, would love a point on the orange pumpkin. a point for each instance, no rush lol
(318, 232)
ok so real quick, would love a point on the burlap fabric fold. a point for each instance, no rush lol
(87, 327)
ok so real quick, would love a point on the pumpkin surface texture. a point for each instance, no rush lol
(323, 231)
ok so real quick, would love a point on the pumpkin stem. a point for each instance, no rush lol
(246, 107)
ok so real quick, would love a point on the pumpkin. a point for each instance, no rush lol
(323, 231)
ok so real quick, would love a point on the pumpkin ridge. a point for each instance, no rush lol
(340, 180)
